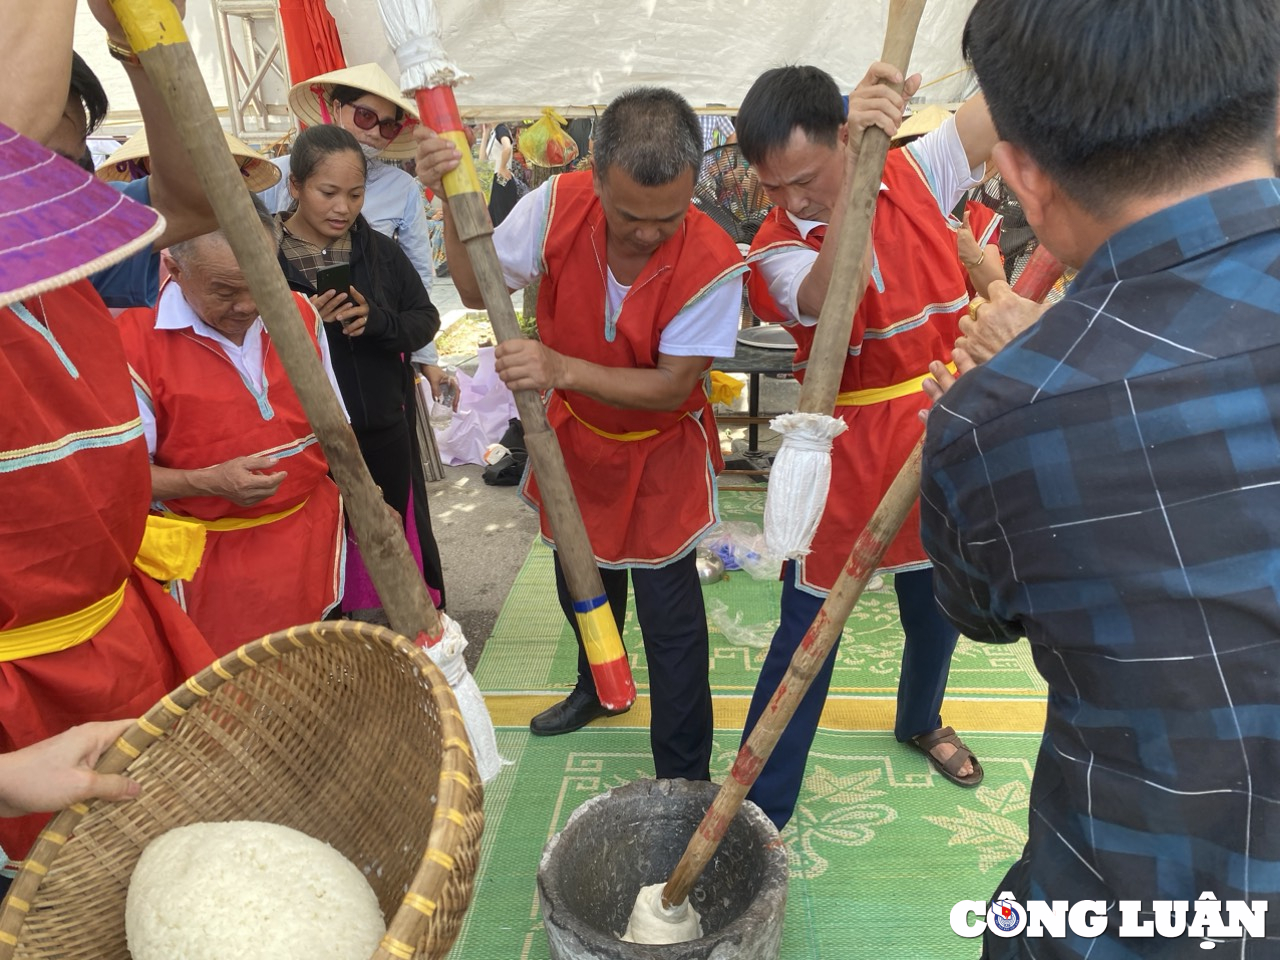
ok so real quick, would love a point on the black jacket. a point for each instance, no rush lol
(373, 369)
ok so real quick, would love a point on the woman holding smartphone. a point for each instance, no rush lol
(365, 101)
(375, 315)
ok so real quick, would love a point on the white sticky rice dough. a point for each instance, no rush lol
(248, 891)
(651, 922)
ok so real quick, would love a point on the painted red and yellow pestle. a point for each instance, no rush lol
(610, 668)
(413, 30)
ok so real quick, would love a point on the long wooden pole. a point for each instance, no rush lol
(805, 664)
(157, 35)
(848, 283)
(818, 395)
(609, 667)
(1038, 278)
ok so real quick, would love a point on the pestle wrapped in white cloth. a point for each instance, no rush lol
(798, 481)
(447, 655)
(651, 922)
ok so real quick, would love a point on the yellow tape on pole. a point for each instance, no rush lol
(464, 178)
(149, 23)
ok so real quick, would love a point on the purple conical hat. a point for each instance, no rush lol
(59, 223)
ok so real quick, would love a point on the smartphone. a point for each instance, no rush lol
(337, 277)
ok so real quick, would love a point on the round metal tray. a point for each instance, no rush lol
(768, 337)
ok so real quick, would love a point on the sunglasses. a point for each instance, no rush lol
(366, 119)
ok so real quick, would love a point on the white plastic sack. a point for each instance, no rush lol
(485, 408)
(447, 655)
(798, 481)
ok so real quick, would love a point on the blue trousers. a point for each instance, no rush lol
(673, 623)
(926, 661)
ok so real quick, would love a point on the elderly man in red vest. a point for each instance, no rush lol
(232, 450)
(639, 292)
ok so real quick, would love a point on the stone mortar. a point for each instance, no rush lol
(635, 835)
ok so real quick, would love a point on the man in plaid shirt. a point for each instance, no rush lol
(1109, 484)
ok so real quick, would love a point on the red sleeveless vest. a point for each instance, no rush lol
(907, 319)
(645, 502)
(256, 579)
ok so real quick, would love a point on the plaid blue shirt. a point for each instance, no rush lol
(1109, 487)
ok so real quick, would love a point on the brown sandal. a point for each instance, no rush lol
(926, 742)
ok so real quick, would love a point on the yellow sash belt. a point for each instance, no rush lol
(168, 551)
(60, 633)
(171, 549)
(865, 398)
(237, 523)
(624, 437)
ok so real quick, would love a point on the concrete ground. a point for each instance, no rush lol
(484, 532)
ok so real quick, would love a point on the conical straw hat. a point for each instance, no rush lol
(925, 120)
(309, 101)
(58, 223)
(258, 171)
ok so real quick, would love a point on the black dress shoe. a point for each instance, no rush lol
(572, 713)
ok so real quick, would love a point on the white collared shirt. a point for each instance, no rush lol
(708, 327)
(174, 313)
(941, 156)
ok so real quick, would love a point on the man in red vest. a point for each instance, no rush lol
(639, 292)
(793, 129)
(232, 449)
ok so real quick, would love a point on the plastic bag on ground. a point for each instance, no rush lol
(741, 545)
(734, 630)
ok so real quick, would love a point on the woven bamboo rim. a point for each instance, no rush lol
(315, 728)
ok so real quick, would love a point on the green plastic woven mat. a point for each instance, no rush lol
(881, 847)
(532, 647)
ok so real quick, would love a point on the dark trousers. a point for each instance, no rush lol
(391, 454)
(926, 661)
(673, 623)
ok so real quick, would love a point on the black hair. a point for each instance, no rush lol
(316, 143)
(341, 93)
(86, 87)
(782, 99)
(651, 134)
(1118, 99)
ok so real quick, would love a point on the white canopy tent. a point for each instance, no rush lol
(569, 54)
(90, 43)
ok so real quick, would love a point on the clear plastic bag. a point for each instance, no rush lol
(734, 630)
(740, 544)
